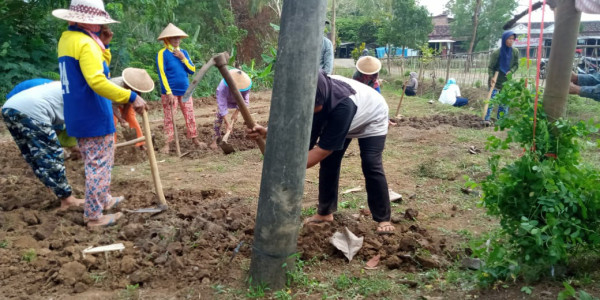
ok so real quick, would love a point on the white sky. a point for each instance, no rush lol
(436, 7)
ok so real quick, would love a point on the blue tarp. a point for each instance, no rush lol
(381, 51)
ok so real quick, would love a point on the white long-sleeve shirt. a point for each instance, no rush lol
(449, 95)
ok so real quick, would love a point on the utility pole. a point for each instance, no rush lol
(560, 64)
(290, 119)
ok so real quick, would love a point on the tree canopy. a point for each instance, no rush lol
(492, 15)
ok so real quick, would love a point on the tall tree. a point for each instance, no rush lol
(406, 24)
(492, 15)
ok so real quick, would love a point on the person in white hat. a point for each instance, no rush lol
(226, 100)
(367, 72)
(139, 81)
(173, 65)
(83, 58)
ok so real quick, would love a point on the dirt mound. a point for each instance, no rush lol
(428, 122)
(409, 248)
(192, 242)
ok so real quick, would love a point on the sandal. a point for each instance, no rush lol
(116, 202)
(111, 222)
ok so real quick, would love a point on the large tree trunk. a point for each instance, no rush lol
(284, 168)
(566, 30)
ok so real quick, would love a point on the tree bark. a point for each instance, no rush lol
(284, 168)
(566, 30)
(475, 24)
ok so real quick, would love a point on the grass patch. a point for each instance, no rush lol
(29, 255)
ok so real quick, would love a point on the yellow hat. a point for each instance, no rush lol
(136, 79)
(171, 31)
(368, 65)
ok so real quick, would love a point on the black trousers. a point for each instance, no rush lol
(378, 197)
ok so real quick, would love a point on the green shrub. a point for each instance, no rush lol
(547, 199)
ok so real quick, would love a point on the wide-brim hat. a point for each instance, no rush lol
(136, 79)
(368, 65)
(171, 31)
(241, 79)
(86, 12)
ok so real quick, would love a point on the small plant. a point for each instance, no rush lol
(4, 244)
(527, 290)
(478, 84)
(29, 255)
(130, 292)
(357, 52)
(569, 292)
(97, 277)
(442, 80)
(256, 290)
(283, 295)
(309, 211)
(343, 282)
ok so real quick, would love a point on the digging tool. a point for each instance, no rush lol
(225, 146)
(197, 78)
(162, 205)
(221, 63)
(493, 84)
(400, 103)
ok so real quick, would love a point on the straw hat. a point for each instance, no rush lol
(86, 12)
(368, 65)
(241, 79)
(136, 79)
(171, 31)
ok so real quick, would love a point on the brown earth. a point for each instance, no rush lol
(211, 212)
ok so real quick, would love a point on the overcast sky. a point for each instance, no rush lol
(436, 7)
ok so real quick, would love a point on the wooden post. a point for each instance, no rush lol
(152, 158)
(284, 168)
(448, 67)
(333, 34)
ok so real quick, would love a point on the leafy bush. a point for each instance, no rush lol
(357, 52)
(547, 199)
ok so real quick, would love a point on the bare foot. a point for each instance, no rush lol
(105, 220)
(70, 202)
(196, 141)
(165, 149)
(214, 145)
(317, 219)
(574, 89)
(385, 228)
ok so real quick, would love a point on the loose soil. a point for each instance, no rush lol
(212, 208)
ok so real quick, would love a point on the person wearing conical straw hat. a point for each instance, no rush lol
(226, 101)
(173, 65)
(139, 81)
(82, 58)
(367, 71)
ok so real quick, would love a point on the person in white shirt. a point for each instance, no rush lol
(32, 116)
(451, 94)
